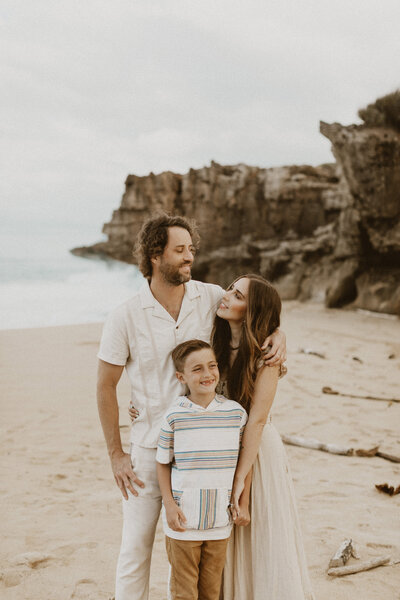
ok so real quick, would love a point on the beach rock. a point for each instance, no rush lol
(342, 288)
(369, 226)
(329, 233)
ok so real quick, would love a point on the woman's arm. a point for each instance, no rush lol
(243, 518)
(264, 393)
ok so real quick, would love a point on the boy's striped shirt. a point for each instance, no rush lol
(203, 446)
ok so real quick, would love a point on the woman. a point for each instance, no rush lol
(266, 559)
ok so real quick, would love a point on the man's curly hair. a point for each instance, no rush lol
(153, 237)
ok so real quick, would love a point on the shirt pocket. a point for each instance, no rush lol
(206, 508)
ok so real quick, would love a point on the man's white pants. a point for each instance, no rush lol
(140, 516)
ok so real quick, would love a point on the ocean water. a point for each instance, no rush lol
(43, 284)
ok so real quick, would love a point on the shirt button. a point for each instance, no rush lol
(177, 327)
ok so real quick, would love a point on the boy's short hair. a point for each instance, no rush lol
(182, 351)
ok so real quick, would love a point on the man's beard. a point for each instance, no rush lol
(172, 275)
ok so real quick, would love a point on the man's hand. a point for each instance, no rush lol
(275, 348)
(133, 412)
(175, 518)
(124, 475)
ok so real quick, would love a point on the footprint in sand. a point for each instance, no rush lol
(87, 589)
(22, 565)
(376, 545)
(73, 458)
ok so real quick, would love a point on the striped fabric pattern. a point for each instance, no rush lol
(202, 444)
(208, 508)
(206, 459)
(212, 420)
(166, 439)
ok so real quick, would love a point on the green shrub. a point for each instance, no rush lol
(384, 112)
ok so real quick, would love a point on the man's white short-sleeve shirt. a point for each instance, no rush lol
(140, 335)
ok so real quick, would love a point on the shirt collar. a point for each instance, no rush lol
(214, 404)
(148, 301)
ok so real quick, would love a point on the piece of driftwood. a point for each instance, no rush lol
(328, 390)
(388, 489)
(369, 453)
(342, 554)
(313, 444)
(357, 568)
(312, 352)
(376, 452)
(390, 457)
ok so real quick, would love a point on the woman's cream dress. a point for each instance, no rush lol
(266, 559)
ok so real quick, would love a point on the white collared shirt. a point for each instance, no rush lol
(140, 335)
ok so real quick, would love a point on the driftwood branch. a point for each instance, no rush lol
(390, 457)
(328, 390)
(376, 452)
(342, 554)
(312, 352)
(295, 440)
(364, 566)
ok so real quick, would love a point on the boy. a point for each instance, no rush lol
(196, 459)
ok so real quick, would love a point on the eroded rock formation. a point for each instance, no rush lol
(367, 253)
(327, 233)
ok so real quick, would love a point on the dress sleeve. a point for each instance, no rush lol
(165, 446)
(114, 345)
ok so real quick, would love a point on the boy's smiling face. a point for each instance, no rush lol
(200, 373)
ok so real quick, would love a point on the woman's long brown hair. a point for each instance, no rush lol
(262, 318)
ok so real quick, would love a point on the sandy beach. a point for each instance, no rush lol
(61, 510)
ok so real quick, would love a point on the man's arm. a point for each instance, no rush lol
(108, 376)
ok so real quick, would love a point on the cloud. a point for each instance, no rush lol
(96, 90)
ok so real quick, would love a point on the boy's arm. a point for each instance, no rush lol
(175, 517)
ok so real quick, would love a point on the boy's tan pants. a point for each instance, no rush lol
(196, 568)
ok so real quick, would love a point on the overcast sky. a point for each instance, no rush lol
(94, 90)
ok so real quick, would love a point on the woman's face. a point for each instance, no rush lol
(234, 302)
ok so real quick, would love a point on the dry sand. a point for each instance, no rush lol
(61, 516)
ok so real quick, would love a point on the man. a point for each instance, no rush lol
(139, 336)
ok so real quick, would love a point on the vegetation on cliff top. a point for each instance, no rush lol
(384, 112)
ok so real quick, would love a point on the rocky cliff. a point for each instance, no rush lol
(328, 233)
